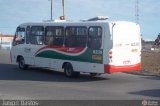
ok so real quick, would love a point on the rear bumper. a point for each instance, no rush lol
(112, 69)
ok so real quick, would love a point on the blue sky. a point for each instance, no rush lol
(15, 12)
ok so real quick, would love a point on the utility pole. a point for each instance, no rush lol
(63, 8)
(137, 11)
(51, 8)
(63, 16)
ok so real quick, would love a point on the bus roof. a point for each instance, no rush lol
(94, 20)
(64, 23)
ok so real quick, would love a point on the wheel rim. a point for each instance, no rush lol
(68, 71)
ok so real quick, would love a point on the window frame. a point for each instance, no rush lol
(16, 34)
(95, 37)
(55, 36)
(31, 35)
(76, 35)
(28, 34)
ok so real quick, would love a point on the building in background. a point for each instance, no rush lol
(6, 41)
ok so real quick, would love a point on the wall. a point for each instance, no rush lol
(6, 41)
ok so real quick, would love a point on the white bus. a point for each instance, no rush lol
(94, 46)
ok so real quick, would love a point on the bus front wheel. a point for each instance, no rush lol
(68, 70)
(21, 63)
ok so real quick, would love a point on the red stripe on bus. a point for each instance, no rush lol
(67, 49)
(112, 69)
(40, 49)
(72, 50)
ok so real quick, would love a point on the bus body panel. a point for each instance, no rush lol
(86, 59)
(126, 51)
(54, 58)
(108, 44)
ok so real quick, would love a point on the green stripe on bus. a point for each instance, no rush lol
(87, 56)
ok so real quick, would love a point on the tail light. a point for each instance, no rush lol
(110, 54)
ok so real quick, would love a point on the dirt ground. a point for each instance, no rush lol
(151, 62)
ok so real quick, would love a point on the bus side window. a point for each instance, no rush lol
(94, 37)
(76, 36)
(27, 34)
(59, 36)
(19, 37)
(37, 35)
(54, 35)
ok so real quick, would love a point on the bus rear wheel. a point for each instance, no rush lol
(21, 63)
(68, 70)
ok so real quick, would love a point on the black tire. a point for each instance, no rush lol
(95, 74)
(68, 70)
(21, 63)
